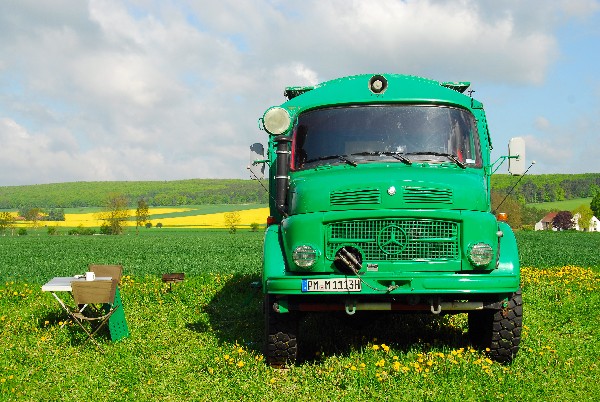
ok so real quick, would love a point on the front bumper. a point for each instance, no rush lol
(406, 284)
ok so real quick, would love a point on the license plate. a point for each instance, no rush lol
(331, 285)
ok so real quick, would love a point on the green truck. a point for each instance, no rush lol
(380, 201)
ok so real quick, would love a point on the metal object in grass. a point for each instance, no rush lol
(174, 277)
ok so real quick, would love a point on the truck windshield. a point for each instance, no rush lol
(400, 133)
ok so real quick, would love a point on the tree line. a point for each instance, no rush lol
(155, 193)
(548, 187)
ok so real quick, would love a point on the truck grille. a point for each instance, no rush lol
(395, 239)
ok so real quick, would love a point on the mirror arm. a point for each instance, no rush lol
(500, 161)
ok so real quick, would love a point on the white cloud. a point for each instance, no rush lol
(126, 90)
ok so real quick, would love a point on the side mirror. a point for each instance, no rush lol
(257, 162)
(516, 156)
(258, 149)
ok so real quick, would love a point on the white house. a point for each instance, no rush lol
(546, 222)
(594, 223)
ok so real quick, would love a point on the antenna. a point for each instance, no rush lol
(263, 186)
(512, 188)
(257, 179)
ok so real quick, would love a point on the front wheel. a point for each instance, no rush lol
(281, 347)
(498, 331)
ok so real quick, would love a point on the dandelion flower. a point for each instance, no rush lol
(375, 347)
(240, 364)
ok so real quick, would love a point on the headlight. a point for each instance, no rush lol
(304, 256)
(277, 120)
(480, 254)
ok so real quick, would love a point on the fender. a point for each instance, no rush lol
(509, 254)
(273, 261)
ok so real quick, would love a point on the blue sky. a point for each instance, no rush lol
(151, 90)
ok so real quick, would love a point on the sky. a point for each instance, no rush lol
(104, 90)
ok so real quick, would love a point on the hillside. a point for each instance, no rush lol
(531, 189)
(156, 193)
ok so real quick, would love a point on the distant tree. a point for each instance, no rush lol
(7, 221)
(141, 214)
(595, 205)
(148, 225)
(56, 214)
(159, 225)
(585, 216)
(115, 214)
(232, 220)
(563, 220)
(52, 230)
(254, 227)
(31, 214)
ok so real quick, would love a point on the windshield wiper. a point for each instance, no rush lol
(453, 158)
(396, 155)
(399, 156)
(343, 158)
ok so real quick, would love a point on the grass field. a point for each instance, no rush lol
(567, 205)
(202, 340)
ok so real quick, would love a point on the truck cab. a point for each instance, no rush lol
(380, 201)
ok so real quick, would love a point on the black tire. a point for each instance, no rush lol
(281, 347)
(498, 330)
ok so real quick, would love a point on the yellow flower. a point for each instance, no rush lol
(240, 364)
(353, 368)
(375, 347)
(385, 347)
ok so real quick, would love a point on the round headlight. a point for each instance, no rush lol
(480, 254)
(277, 120)
(304, 256)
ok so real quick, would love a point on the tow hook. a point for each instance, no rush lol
(351, 307)
(436, 307)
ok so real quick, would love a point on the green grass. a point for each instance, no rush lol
(202, 340)
(566, 205)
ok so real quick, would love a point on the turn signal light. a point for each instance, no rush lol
(503, 216)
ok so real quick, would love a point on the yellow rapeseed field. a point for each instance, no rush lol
(247, 217)
(216, 220)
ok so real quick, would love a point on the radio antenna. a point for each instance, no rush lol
(512, 188)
